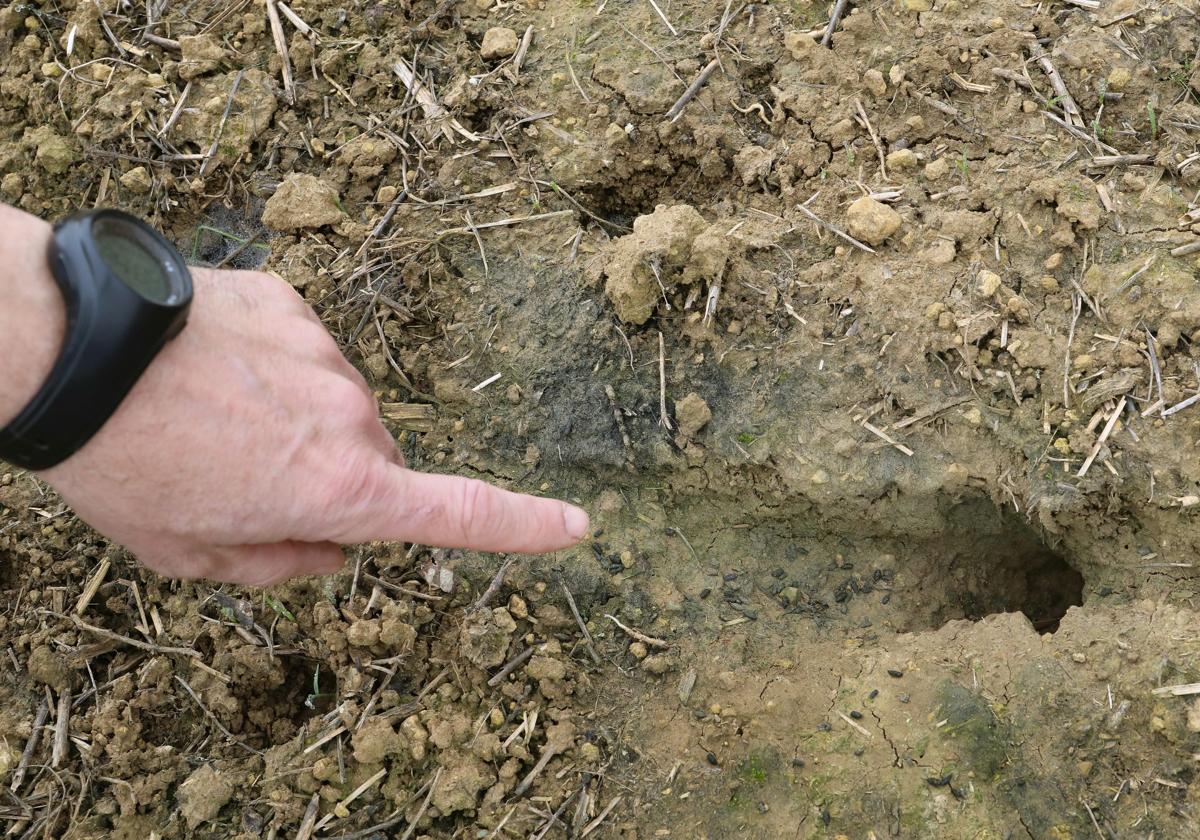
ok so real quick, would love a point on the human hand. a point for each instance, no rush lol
(250, 449)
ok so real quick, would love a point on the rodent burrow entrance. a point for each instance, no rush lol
(991, 561)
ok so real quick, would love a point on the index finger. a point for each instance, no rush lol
(454, 512)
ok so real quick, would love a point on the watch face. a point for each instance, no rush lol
(137, 259)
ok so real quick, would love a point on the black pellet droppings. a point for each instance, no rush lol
(856, 714)
(958, 792)
(778, 573)
(728, 576)
(712, 759)
(939, 781)
(797, 762)
(860, 750)
(826, 817)
(895, 672)
(874, 693)
(825, 726)
(886, 599)
(705, 592)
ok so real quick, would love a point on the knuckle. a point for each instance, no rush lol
(352, 487)
(476, 507)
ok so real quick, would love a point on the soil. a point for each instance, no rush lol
(873, 363)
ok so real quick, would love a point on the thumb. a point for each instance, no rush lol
(269, 564)
(453, 512)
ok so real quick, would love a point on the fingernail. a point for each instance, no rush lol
(575, 520)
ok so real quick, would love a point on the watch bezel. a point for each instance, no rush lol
(141, 235)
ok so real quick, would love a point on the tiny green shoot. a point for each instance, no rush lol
(276, 605)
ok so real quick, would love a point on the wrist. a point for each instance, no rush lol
(32, 311)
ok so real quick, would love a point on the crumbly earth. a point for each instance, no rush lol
(904, 539)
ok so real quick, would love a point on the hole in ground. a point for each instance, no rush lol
(994, 561)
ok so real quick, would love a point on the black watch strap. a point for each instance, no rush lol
(114, 331)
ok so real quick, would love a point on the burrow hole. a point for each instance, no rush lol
(993, 561)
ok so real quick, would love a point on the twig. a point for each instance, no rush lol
(394, 818)
(178, 112)
(1155, 369)
(639, 635)
(354, 794)
(413, 417)
(555, 817)
(1180, 406)
(519, 59)
(281, 47)
(493, 588)
(884, 436)
(433, 109)
(1184, 250)
(663, 419)
(1075, 132)
(510, 666)
(1060, 88)
(395, 587)
(147, 646)
(165, 43)
(596, 823)
(874, 137)
(1180, 690)
(213, 717)
(212, 151)
(551, 749)
(866, 733)
(35, 735)
(296, 20)
(575, 79)
(61, 729)
(1120, 160)
(587, 637)
(1108, 427)
(834, 230)
(688, 95)
(674, 31)
(1076, 309)
(937, 104)
(92, 586)
(1133, 277)
(839, 8)
(515, 220)
(310, 818)
(412, 826)
(1102, 835)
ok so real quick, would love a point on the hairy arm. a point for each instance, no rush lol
(32, 314)
(250, 450)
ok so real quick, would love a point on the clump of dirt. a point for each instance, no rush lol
(899, 538)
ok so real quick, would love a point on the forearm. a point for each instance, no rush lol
(32, 313)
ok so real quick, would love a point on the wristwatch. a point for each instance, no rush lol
(127, 293)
